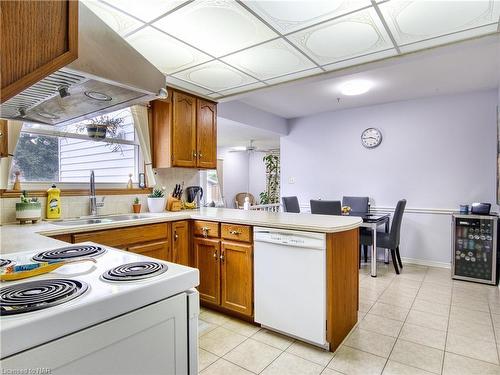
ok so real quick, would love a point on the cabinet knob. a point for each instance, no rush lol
(222, 257)
(200, 155)
(234, 232)
(215, 256)
(194, 154)
(176, 236)
(205, 230)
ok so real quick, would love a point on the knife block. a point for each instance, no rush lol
(174, 204)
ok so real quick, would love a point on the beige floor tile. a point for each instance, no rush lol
(223, 367)
(289, 364)
(472, 316)
(355, 362)
(495, 307)
(274, 339)
(253, 355)
(431, 307)
(379, 324)
(241, 327)
(406, 284)
(416, 355)
(459, 365)
(477, 349)
(220, 341)
(213, 317)
(205, 359)
(371, 342)
(205, 327)
(472, 305)
(396, 368)
(365, 306)
(435, 297)
(397, 299)
(471, 330)
(389, 311)
(425, 336)
(310, 352)
(429, 320)
(329, 371)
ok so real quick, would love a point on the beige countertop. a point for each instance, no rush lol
(33, 237)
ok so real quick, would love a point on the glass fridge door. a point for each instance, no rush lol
(474, 250)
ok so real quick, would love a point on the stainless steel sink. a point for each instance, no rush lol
(99, 219)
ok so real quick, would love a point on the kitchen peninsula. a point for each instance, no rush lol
(198, 238)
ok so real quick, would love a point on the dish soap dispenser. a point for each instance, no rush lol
(53, 203)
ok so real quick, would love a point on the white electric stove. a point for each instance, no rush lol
(123, 314)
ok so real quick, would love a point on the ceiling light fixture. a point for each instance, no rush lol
(355, 87)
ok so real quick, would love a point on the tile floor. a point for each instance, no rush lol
(419, 322)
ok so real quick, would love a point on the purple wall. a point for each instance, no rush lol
(436, 152)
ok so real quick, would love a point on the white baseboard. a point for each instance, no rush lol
(423, 262)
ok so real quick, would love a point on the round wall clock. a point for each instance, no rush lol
(371, 137)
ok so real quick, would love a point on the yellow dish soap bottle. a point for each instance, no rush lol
(54, 203)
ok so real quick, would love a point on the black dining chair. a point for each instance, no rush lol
(290, 204)
(359, 204)
(390, 240)
(325, 207)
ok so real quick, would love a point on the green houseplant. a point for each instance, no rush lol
(136, 206)
(156, 200)
(29, 209)
(272, 193)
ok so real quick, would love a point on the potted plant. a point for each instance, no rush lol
(156, 200)
(136, 206)
(99, 127)
(29, 209)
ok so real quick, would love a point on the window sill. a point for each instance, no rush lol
(76, 192)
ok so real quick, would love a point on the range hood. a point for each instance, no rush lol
(107, 75)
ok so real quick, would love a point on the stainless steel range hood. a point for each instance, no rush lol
(108, 75)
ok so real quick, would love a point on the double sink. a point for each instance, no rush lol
(99, 219)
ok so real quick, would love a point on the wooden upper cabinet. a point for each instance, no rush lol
(4, 139)
(207, 253)
(206, 133)
(180, 242)
(183, 130)
(236, 278)
(38, 38)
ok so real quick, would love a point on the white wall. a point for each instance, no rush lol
(436, 152)
(242, 172)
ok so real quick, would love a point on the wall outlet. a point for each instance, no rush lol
(291, 180)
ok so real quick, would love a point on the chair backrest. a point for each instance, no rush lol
(357, 204)
(239, 199)
(291, 204)
(397, 218)
(325, 207)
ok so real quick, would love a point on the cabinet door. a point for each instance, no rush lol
(162, 123)
(158, 250)
(183, 130)
(38, 38)
(4, 139)
(206, 133)
(236, 278)
(180, 242)
(207, 252)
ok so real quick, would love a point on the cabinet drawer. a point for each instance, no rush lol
(158, 250)
(125, 236)
(236, 232)
(205, 228)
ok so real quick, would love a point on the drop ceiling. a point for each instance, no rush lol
(219, 48)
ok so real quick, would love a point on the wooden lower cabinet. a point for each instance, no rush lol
(180, 243)
(158, 250)
(207, 253)
(237, 277)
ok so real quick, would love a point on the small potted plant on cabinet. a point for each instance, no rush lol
(156, 200)
(136, 206)
(29, 209)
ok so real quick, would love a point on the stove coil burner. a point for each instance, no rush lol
(135, 271)
(70, 252)
(38, 295)
(5, 262)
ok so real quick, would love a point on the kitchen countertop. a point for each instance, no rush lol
(33, 237)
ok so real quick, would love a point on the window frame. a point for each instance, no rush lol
(73, 188)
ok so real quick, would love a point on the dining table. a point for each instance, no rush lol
(372, 221)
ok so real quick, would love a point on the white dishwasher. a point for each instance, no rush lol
(290, 283)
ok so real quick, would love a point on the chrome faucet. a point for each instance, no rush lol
(93, 199)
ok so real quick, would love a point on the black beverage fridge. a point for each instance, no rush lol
(475, 253)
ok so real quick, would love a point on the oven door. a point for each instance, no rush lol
(150, 340)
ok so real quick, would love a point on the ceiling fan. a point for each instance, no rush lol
(250, 148)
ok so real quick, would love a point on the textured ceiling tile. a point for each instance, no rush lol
(293, 76)
(145, 10)
(118, 21)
